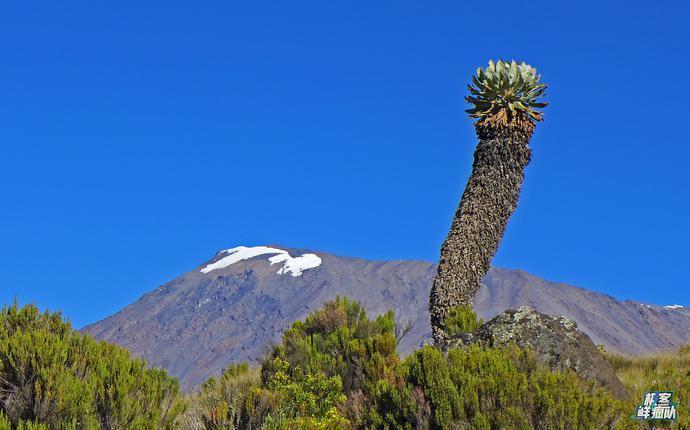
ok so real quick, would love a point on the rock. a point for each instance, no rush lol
(556, 340)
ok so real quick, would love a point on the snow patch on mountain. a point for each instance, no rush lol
(674, 307)
(292, 265)
(295, 265)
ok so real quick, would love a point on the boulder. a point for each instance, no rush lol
(556, 341)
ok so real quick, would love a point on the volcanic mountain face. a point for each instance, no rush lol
(231, 308)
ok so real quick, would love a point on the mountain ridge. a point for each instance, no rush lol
(197, 323)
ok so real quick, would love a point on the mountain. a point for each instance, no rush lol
(232, 307)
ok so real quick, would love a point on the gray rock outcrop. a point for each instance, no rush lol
(556, 341)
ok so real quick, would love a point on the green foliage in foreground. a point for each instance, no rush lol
(338, 369)
(339, 340)
(475, 388)
(507, 388)
(53, 377)
(461, 319)
(291, 399)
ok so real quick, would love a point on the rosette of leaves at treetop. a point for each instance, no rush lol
(506, 94)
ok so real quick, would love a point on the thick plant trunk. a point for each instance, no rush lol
(489, 199)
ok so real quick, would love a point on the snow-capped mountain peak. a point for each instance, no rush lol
(292, 265)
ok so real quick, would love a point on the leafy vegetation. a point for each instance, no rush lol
(340, 340)
(508, 388)
(506, 90)
(462, 319)
(338, 369)
(53, 377)
(290, 399)
(472, 388)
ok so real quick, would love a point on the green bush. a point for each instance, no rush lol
(428, 369)
(290, 399)
(305, 401)
(473, 388)
(336, 370)
(53, 376)
(223, 402)
(508, 388)
(464, 388)
(461, 319)
(340, 340)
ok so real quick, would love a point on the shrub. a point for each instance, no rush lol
(340, 340)
(474, 388)
(228, 401)
(305, 401)
(52, 375)
(462, 319)
(428, 369)
(508, 388)
(336, 370)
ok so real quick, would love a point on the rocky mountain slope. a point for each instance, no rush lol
(231, 308)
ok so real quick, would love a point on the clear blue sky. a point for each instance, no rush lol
(139, 138)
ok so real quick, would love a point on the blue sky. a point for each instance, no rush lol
(137, 138)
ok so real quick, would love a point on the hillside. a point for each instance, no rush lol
(229, 308)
